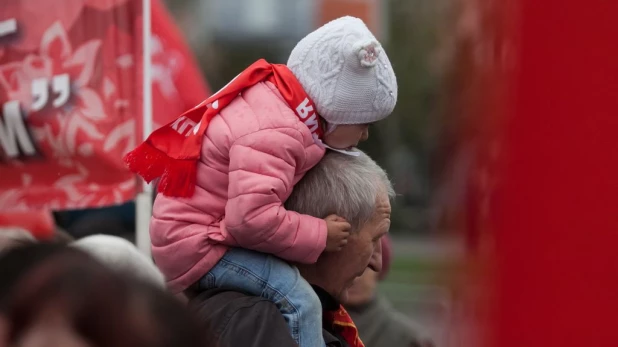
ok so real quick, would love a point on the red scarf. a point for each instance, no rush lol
(343, 324)
(172, 151)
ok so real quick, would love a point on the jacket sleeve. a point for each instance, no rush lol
(262, 171)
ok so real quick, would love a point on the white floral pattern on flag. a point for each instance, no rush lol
(80, 143)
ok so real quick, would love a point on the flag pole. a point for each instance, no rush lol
(143, 202)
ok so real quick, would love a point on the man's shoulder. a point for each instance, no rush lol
(219, 306)
(234, 319)
(216, 301)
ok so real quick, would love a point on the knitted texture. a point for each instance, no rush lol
(345, 71)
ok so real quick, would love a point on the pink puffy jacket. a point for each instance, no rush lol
(253, 153)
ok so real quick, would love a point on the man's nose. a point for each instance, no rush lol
(375, 263)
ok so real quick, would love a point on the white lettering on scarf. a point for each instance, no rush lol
(307, 115)
(183, 125)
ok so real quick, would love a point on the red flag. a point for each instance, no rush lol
(70, 98)
(558, 223)
(70, 92)
(39, 223)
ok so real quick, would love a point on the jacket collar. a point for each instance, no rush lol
(329, 303)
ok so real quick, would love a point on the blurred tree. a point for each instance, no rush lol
(405, 142)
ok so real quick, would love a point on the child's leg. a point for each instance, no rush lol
(270, 277)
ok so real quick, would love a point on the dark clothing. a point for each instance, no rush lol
(235, 319)
(328, 302)
(379, 325)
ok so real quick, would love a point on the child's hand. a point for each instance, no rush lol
(338, 232)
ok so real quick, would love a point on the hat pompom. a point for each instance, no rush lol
(368, 53)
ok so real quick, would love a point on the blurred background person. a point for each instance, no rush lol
(53, 295)
(14, 237)
(121, 255)
(378, 323)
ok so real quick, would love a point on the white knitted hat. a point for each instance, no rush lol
(345, 71)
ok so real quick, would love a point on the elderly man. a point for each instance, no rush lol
(355, 188)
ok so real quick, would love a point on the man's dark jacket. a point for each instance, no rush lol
(234, 319)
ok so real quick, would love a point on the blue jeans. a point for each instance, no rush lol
(267, 276)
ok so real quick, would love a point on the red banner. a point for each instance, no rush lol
(39, 223)
(70, 92)
(556, 231)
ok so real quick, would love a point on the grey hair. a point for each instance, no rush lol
(122, 256)
(344, 185)
(14, 237)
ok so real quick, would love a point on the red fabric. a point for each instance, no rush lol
(172, 152)
(343, 324)
(558, 226)
(78, 145)
(39, 223)
(77, 128)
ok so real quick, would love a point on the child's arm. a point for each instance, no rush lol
(261, 176)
